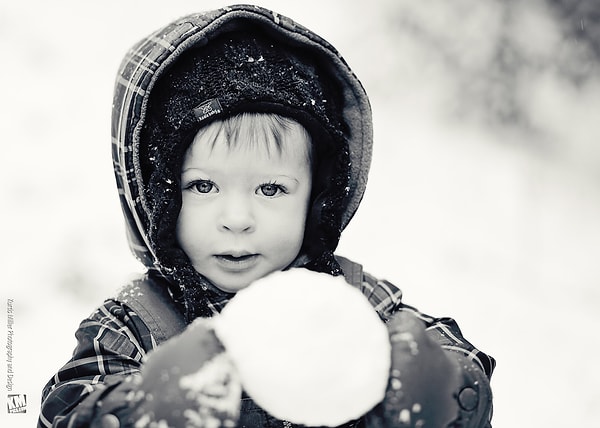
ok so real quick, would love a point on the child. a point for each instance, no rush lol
(241, 146)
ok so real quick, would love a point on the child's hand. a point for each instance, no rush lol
(422, 381)
(189, 381)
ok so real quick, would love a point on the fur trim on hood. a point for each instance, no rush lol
(147, 172)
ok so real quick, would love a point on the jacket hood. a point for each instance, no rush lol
(151, 210)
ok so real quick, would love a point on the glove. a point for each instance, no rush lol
(189, 381)
(423, 380)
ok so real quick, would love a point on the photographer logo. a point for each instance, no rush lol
(17, 403)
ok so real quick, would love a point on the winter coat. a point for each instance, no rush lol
(92, 389)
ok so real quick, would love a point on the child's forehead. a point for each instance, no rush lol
(220, 157)
(259, 137)
(203, 148)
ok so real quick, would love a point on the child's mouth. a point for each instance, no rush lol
(236, 262)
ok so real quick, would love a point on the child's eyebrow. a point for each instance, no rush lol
(190, 169)
(196, 171)
(288, 176)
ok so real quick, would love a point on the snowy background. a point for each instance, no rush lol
(483, 203)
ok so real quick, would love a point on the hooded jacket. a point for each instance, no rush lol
(148, 178)
(94, 387)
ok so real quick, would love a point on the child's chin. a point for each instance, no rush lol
(232, 283)
(227, 282)
(232, 287)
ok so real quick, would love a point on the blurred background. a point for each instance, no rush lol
(483, 202)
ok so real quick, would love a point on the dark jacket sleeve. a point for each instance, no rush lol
(95, 384)
(474, 397)
(473, 405)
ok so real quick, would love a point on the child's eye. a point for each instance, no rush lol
(271, 190)
(203, 186)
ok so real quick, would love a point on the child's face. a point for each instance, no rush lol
(243, 207)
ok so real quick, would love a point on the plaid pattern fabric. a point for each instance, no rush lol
(113, 340)
(386, 298)
(110, 346)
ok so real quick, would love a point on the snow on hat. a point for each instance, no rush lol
(239, 72)
(234, 73)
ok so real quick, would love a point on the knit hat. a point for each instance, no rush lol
(243, 72)
(233, 73)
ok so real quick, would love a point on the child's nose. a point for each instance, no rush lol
(237, 216)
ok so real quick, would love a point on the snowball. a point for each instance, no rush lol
(309, 348)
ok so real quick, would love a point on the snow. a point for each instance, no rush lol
(492, 222)
(308, 347)
(217, 392)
